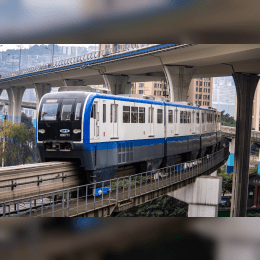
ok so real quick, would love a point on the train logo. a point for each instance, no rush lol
(64, 131)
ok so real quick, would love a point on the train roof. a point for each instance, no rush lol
(93, 95)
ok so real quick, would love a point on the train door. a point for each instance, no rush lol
(206, 122)
(151, 119)
(176, 121)
(94, 117)
(193, 122)
(203, 122)
(114, 119)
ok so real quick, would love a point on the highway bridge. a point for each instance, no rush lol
(229, 131)
(112, 196)
(24, 104)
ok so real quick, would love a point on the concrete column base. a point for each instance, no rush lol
(203, 196)
(196, 210)
(15, 95)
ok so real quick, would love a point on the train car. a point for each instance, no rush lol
(106, 132)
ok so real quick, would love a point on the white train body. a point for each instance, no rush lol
(114, 130)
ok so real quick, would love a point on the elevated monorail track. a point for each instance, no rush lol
(122, 193)
(32, 179)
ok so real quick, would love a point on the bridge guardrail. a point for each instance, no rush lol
(232, 131)
(79, 59)
(78, 200)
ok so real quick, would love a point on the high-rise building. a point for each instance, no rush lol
(200, 91)
(224, 92)
(153, 88)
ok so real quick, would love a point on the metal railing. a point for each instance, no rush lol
(79, 59)
(87, 198)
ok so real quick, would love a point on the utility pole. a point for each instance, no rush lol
(20, 57)
(52, 54)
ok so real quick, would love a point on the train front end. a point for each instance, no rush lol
(60, 126)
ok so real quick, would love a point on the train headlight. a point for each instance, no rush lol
(76, 131)
(41, 131)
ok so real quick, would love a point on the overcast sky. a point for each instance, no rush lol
(4, 47)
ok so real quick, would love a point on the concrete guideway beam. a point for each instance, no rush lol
(117, 84)
(203, 196)
(179, 79)
(15, 96)
(73, 82)
(245, 86)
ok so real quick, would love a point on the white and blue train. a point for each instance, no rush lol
(106, 132)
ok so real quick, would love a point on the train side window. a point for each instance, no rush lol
(134, 114)
(159, 116)
(141, 115)
(181, 117)
(184, 117)
(77, 113)
(203, 119)
(215, 118)
(198, 118)
(188, 117)
(126, 114)
(113, 111)
(170, 116)
(104, 113)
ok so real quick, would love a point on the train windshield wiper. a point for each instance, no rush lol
(43, 114)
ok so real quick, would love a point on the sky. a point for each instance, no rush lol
(4, 47)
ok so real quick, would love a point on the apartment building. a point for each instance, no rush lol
(200, 91)
(154, 88)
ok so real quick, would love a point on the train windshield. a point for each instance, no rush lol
(49, 110)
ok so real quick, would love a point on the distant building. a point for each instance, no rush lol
(153, 88)
(200, 91)
(224, 94)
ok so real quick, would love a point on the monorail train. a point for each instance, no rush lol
(105, 132)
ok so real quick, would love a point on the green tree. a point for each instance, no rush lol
(27, 121)
(227, 181)
(18, 144)
(227, 120)
(164, 206)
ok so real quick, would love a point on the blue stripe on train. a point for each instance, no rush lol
(132, 143)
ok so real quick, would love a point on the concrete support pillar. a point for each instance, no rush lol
(15, 96)
(203, 196)
(73, 82)
(40, 90)
(245, 87)
(179, 79)
(230, 161)
(117, 84)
